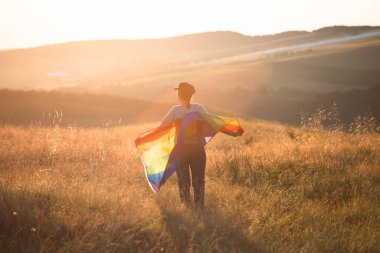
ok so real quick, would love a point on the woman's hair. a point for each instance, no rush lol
(185, 96)
(185, 91)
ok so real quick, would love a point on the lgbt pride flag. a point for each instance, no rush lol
(160, 148)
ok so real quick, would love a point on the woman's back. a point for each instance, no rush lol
(177, 112)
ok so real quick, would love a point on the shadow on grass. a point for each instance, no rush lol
(208, 231)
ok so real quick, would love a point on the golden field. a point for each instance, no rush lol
(275, 189)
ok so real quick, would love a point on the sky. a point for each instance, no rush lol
(28, 23)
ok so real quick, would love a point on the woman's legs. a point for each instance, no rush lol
(192, 155)
(183, 175)
(198, 165)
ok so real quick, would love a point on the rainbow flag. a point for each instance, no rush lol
(160, 148)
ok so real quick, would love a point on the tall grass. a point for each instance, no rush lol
(275, 189)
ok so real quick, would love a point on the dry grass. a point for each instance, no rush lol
(276, 189)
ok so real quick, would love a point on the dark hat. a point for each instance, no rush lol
(185, 88)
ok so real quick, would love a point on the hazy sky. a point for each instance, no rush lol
(26, 23)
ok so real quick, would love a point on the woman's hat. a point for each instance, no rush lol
(185, 88)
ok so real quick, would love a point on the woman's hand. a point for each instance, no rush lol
(234, 134)
(240, 132)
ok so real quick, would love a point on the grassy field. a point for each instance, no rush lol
(275, 189)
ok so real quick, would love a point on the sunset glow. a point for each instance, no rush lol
(32, 23)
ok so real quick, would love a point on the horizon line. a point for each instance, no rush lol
(180, 35)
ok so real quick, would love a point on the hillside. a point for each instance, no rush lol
(86, 109)
(275, 189)
(48, 108)
(98, 64)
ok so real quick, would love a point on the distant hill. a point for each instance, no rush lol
(111, 62)
(344, 30)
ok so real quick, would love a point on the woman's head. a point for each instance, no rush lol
(185, 91)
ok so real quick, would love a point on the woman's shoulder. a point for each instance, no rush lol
(176, 107)
(197, 105)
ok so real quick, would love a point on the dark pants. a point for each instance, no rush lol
(193, 156)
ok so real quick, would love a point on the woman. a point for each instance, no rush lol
(164, 152)
(193, 155)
